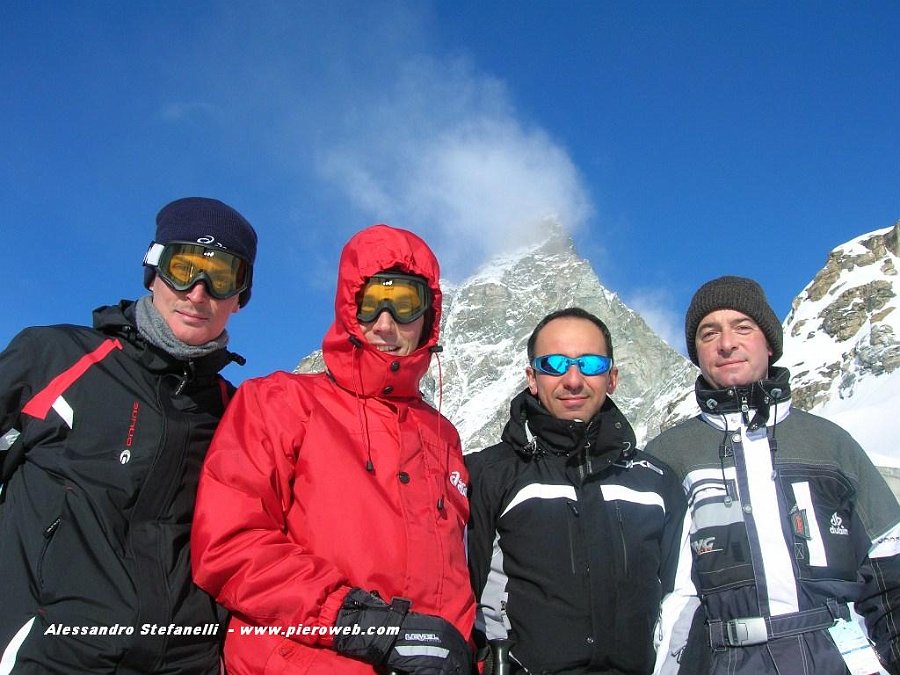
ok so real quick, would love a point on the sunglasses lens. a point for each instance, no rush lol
(183, 265)
(406, 298)
(594, 364)
(558, 364)
(555, 364)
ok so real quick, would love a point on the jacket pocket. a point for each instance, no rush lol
(826, 535)
(622, 541)
(718, 536)
(48, 533)
(291, 657)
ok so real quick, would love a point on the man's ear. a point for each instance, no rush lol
(532, 380)
(613, 380)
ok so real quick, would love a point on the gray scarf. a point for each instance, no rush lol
(154, 329)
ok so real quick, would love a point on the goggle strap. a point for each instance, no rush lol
(153, 254)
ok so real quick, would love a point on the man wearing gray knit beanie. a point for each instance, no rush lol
(740, 304)
(111, 424)
(790, 525)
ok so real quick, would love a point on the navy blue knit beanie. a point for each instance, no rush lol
(208, 222)
(738, 293)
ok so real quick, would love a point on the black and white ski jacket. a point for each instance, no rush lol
(789, 523)
(95, 524)
(572, 541)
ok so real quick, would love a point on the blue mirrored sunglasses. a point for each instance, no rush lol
(558, 364)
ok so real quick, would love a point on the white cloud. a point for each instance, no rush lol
(375, 125)
(442, 152)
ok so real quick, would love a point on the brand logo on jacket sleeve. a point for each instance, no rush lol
(704, 545)
(837, 525)
(457, 482)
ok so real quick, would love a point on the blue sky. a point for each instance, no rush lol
(676, 141)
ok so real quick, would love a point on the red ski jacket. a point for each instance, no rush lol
(289, 518)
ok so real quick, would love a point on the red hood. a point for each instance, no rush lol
(353, 362)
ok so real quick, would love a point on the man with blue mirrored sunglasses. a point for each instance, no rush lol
(573, 530)
(558, 364)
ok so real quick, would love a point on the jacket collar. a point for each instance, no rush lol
(752, 402)
(119, 321)
(589, 446)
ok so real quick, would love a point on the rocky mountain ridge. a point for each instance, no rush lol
(489, 318)
(842, 341)
(486, 324)
(851, 302)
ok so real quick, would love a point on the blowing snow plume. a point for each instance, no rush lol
(441, 151)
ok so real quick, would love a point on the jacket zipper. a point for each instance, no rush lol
(574, 509)
(622, 537)
(745, 408)
(48, 533)
(585, 468)
(185, 378)
(51, 528)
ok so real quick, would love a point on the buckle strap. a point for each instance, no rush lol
(755, 630)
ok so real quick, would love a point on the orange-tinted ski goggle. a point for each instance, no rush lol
(405, 297)
(183, 264)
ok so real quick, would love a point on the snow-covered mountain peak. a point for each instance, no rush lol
(489, 317)
(842, 339)
(842, 342)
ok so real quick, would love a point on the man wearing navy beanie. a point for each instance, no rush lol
(105, 429)
(790, 525)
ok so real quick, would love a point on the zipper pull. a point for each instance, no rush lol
(745, 409)
(188, 375)
(647, 465)
(51, 528)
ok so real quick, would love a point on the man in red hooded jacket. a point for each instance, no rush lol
(323, 493)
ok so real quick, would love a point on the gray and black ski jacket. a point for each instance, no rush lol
(788, 522)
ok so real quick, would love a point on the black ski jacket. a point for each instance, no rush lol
(572, 541)
(95, 526)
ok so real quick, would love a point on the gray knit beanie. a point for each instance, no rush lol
(737, 293)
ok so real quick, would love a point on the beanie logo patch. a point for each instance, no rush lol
(208, 240)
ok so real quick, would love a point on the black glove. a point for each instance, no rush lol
(429, 645)
(425, 645)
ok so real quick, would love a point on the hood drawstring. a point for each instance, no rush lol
(360, 404)
(436, 350)
(364, 421)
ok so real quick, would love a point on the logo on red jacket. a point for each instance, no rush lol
(457, 482)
